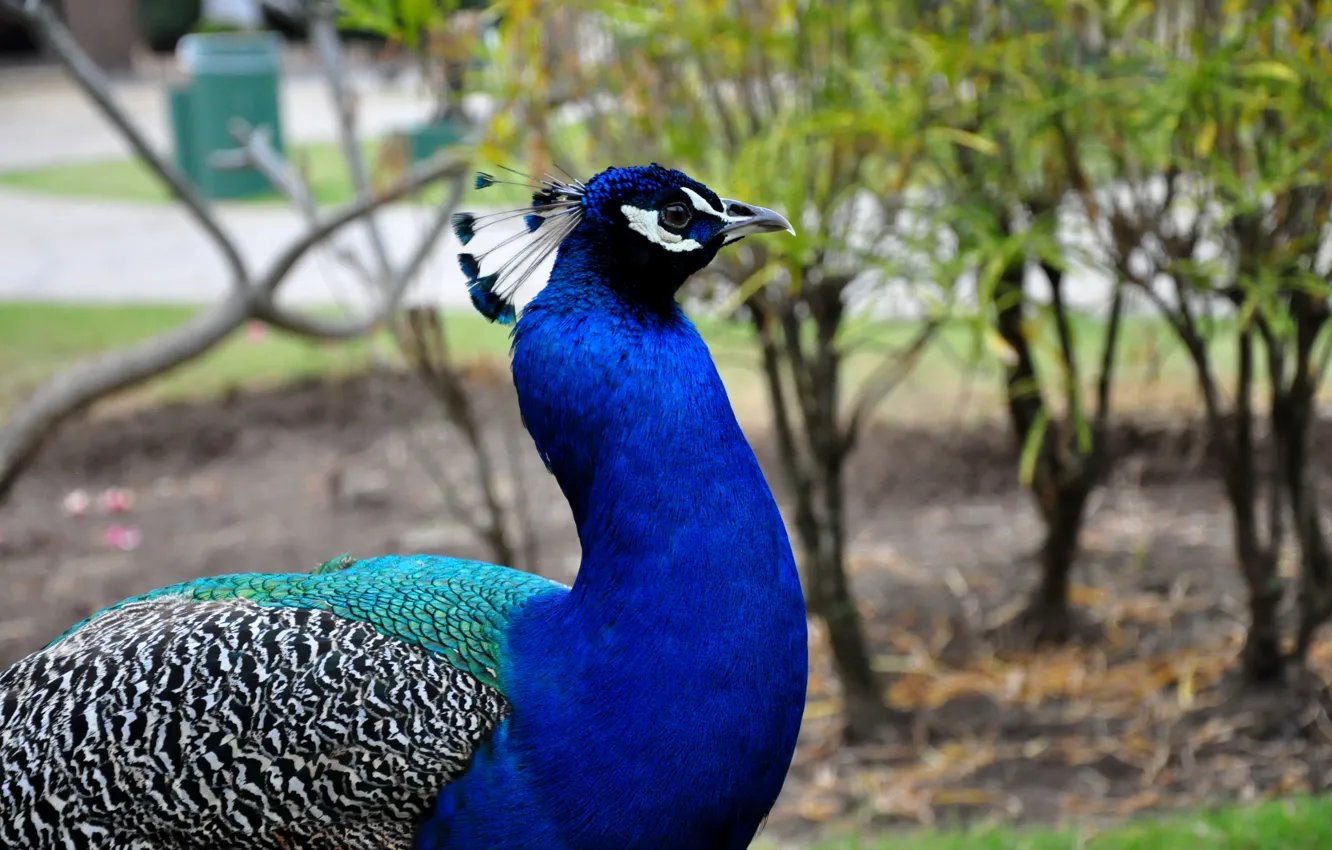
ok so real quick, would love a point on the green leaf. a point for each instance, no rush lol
(1031, 448)
(966, 139)
(1206, 139)
(1270, 70)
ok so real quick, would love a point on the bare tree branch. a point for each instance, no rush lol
(795, 464)
(47, 27)
(74, 389)
(79, 386)
(885, 378)
(1067, 348)
(258, 152)
(1106, 380)
(441, 165)
(324, 33)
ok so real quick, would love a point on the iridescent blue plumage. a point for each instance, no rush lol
(470, 266)
(488, 302)
(425, 703)
(464, 225)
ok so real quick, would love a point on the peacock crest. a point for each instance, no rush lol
(556, 209)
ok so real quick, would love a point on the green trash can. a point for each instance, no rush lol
(425, 139)
(230, 75)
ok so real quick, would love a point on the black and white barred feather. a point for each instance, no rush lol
(182, 724)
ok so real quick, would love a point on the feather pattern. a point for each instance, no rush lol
(288, 727)
(555, 212)
(259, 711)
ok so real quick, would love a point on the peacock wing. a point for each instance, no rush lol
(200, 716)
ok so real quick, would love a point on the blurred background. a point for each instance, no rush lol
(1039, 383)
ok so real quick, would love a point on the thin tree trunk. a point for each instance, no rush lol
(1048, 614)
(1315, 600)
(866, 711)
(1047, 617)
(1262, 656)
(812, 457)
(830, 600)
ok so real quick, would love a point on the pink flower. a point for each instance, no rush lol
(76, 502)
(115, 500)
(256, 332)
(126, 538)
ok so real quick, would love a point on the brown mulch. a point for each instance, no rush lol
(1147, 715)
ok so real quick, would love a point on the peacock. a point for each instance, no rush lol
(430, 702)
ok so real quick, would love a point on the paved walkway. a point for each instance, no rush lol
(61, 249)
(71, 249)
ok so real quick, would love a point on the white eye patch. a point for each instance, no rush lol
(647, 223)
(701, 204)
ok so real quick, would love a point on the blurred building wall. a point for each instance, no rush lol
(107, 29)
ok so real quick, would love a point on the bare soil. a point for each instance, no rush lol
(1142, 714)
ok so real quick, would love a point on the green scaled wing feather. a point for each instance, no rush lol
(458, 609)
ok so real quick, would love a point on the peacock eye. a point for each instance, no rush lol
(675, 216)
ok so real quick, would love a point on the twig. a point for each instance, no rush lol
(885, 378)
(324, 33)
(441, 165)
(257, 152)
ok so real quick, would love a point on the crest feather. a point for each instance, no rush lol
(555, 211)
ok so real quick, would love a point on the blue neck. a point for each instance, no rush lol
(662, 696)
(626, 407)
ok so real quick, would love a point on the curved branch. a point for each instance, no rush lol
(79, 386)
(46, 26)
(442, 165)
(886, 377)
(70, 391)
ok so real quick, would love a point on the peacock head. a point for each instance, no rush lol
(648, 227)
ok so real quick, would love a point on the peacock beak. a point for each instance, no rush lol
(743, 219)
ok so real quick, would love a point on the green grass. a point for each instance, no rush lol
(38, 339)
(1293, 824)
(130, 180)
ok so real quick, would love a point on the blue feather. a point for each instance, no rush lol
(470, 266)
(489, 302)
(484, 180)
(533, 222)
(464, 226)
